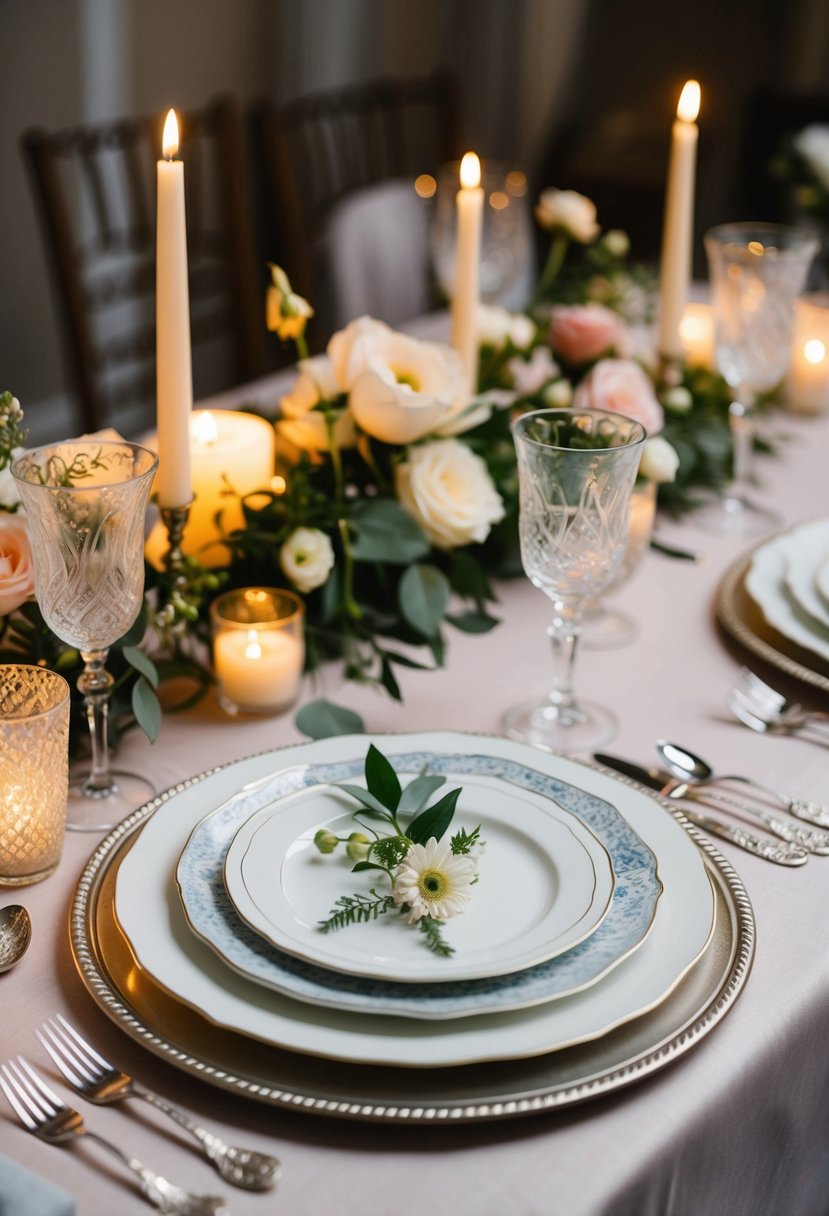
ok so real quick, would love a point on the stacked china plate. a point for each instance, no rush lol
(604, 937)
(788, 579)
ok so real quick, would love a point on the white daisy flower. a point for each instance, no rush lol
(433, 881)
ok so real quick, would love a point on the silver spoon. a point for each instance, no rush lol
(690, 767)
(15, 934)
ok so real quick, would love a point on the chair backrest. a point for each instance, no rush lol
(95, 188)
(317, 149)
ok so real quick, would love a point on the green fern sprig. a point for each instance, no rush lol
(432, 930)
(355, 909)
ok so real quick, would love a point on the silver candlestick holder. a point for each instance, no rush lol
(175, 521)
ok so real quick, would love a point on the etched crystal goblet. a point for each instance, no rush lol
(576, 471)
(85, 504)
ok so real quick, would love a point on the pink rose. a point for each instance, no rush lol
(17, 580)
(581, 332)
(622, 386)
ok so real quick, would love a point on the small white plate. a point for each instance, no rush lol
(545, 883)
(766, 584)
(808, 548)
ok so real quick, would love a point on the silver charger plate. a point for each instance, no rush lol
(469, 1093)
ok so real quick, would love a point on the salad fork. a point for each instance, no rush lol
(766, 721)
(42, 1113)
(98, 1081)
(775, 704)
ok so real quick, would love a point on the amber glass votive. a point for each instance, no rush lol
(34, 771)
(258, 649)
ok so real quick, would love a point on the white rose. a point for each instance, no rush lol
(497, 326)
(9, 496)
(572, 212)
(559, 395)
(813, 145)
(616, 242)
(401, 389)
(447, 489)
(306, 426)
(659, 460)
(306, 558)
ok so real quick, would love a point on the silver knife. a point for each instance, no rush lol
(778, 851)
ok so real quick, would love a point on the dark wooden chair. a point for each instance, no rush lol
(95, 188)
(315, 150)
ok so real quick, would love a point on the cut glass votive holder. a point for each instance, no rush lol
(34, 771)
(258, 649)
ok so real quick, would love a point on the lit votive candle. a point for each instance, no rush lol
(34, 771)
(696, 335)
(258, 649)
(807, 387)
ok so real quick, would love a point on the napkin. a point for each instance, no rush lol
(23, 1193)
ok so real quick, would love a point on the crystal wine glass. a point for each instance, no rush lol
(757, 271)
(85, 503)
(576, 471)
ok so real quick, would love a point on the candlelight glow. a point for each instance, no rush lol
(169, 140)
(425, 185)
(253, 650)
(278, 484)
(470, 171)
(203, 428)
(516, 183)
(815, 350)
(498, 200)
(689, 100)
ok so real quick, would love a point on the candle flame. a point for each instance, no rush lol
(203, 428)
(253, 650)
(815, 351)
(470, 171)
(169, 140)
(689, 100)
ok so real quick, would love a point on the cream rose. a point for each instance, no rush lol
(447, 489)
(9, 496)
(401, 389)
(307, 558)
(659, 461)
(581, 332)
(17, 579)
(570, 211)
(621, 386)
(304, 425)
(497, 326)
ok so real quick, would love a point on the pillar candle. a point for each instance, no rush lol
(469, 203)
(174, 372)
(696, 333)
(807, 386)
(677, 233)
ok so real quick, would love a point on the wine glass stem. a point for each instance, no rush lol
(564, 634)
(95, 683)
(741, 421)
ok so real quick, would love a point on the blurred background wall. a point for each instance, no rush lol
(579, 92)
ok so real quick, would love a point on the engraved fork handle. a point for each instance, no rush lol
(781, 853)
(162, 1194)
(807, 838)
(801, 808)
(241, 1167)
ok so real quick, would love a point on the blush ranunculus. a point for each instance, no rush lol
(621, 386)
(581, 332)
(17, 579)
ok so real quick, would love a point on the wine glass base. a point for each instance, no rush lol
(86, 810)
(581, 729)
(607, 629)
(736, 517)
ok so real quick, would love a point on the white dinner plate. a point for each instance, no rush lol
(559, 876)
(804, 554)
(200, 876)
(150, 914)
(766, 584)
(822, 582)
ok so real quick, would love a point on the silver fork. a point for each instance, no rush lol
(98, 1081)
(768, 722)
(775, 705)
(44, 1114)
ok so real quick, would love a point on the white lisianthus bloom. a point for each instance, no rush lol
(9, 497)
(659, 460)
(401, 389)
(304, 425)
(569, 211)
(559, 395)
(433, 881)
(447, 489)
(813, 145)
(307, 558)
(497, 326)
(286, 313)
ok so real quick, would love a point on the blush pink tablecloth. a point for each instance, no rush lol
(738, 1127)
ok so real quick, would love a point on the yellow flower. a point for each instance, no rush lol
(287, 313)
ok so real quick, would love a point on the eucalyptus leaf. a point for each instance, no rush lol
(389, 680)
(473, 622)
(434, 820)
(365, 798)
(137, 659)
(423, 594)
(385, 533)
(381, 779)
(147, 708)
(320, 719)
(418, 792)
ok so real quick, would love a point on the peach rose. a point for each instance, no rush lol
(621, 386)
(581, 332)
(17, 580)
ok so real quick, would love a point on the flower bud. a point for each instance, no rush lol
(558, 395)
(678, 400)
(357, 846)
(325, 841)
